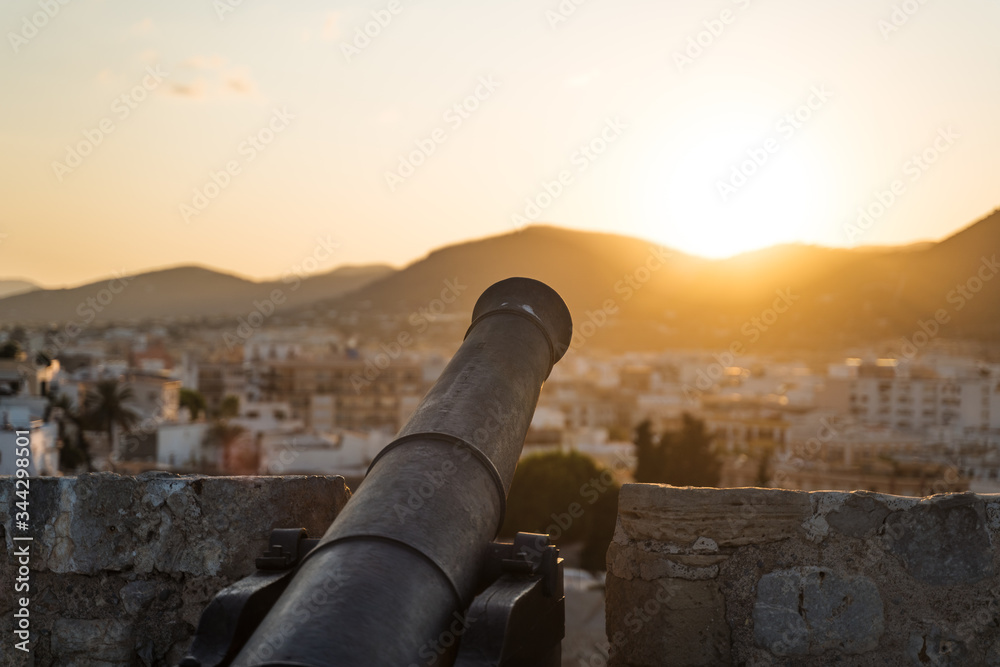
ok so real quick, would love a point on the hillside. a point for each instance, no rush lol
(12, 287)
(635, 295)
(186, 291)
(838, 297)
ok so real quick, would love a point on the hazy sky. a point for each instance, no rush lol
(687, 112)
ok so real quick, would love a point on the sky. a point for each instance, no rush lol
(244, 135)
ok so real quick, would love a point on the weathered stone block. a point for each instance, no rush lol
(122, 567)
(632, 563)
(860, 515)
(943, 540)
(84, 641)
(138, 595)
(804, 579)
(169, 523)
(934, 647)
(666, 622)
(816, 611)
(727, 517)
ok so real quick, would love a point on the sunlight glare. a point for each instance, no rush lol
(684, 207)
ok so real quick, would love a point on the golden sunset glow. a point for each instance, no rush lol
(732, 202)
(140, 136)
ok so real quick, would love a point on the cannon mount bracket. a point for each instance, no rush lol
(517, 619)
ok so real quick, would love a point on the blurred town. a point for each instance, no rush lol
(302, 399)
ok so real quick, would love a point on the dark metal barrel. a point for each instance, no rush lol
(389, 582)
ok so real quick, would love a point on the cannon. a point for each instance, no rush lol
(408, 574)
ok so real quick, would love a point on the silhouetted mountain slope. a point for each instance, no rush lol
(633, 294)
(186, 291)
(887, 294)
(655, 296)
(831, 297)
(12, 286)
(583, 267)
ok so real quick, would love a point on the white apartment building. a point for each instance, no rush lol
(914, 398)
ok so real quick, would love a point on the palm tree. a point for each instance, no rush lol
(194, 401)
(106, 408)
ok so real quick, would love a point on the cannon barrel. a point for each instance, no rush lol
(402, 562)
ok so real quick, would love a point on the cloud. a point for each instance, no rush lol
(203, 77)
(239, 82)
(195, 90)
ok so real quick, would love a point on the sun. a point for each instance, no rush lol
(727, 187)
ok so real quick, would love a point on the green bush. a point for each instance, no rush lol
(568, 496)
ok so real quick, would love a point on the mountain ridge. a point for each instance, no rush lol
(178, 292)
(15, 286)
(650, 296)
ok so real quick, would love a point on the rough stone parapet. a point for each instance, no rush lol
(776, 577)
(121, 567)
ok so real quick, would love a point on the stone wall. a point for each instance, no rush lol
(121, 567)
(775, 577)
